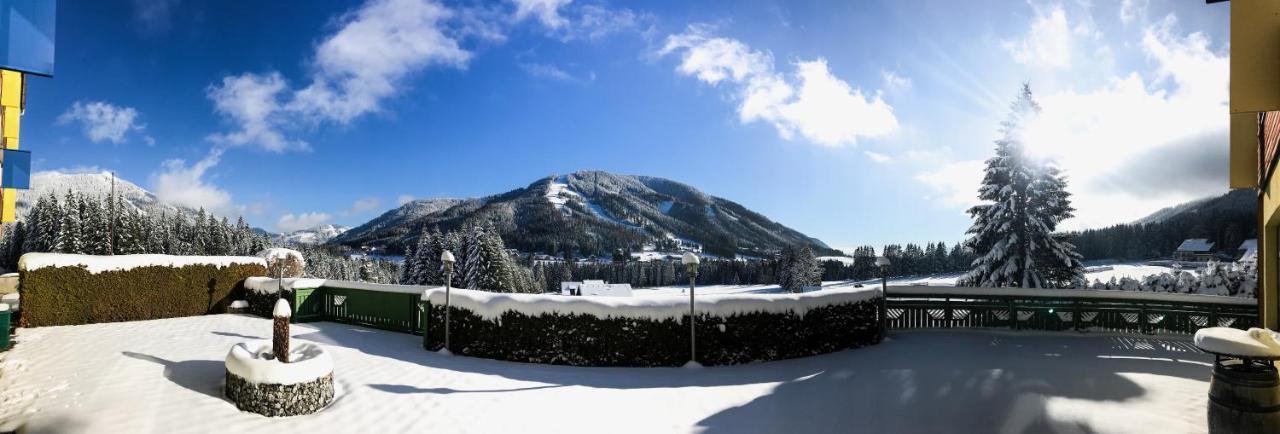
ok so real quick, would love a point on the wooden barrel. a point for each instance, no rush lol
(1244, 398)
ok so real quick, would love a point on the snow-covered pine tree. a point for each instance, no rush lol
(1023, 202)
(474, 261)
(430, 268)
(97, 240)
(797, 268)
(496, 274)
(69, 232)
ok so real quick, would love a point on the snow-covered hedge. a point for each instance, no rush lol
(1217, 278)
(651, 331)
(64, 289)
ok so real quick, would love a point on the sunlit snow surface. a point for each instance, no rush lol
(165, 376)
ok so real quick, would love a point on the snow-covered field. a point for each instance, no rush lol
(739, 289)
(165, 376)
(1136, 270)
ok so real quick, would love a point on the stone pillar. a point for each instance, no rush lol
(280, 331)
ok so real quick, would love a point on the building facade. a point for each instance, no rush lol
(1255, 134)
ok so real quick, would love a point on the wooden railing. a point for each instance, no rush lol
(398, 308)
(915, 307)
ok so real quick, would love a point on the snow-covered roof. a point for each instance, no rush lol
(1249, 245)
(1196, 245)
(98, 264)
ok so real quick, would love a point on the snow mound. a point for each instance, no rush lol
(1259, 343)
(98, 264)
(282, 309)
(253, 361)
(267, 285)
(281, 254)
(491, 306)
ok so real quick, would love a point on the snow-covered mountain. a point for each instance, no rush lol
(317, 235)
(592, 212)
(96, 184)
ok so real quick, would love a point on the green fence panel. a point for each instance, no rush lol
(385, 310)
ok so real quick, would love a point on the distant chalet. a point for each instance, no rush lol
(1194, 250)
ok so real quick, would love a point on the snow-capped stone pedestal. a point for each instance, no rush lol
(271, 379)
(258, 383)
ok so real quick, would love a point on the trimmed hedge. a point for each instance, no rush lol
(72, 295)
(586, 340)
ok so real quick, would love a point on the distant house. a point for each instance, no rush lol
(1194, 250)
(595, 287)
(1248, 252)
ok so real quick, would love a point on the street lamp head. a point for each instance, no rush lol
(447, 257)
(882, 261)
(689, 258)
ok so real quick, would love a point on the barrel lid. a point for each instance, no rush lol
(4, 307)
(1232, 342)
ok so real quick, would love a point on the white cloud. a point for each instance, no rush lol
(893, 81)
(353, 71)
(364, 204)
(1138, 143)
(546, 11)
(548, 71)
(155, 16)
(251, 102)
(877, 157)
(403, 199)
(1172, 123)
(291, 222)
(186, 185)
(1048, 43)
(1133, 10)
(956, 182)
(102, 121)
(812, 102)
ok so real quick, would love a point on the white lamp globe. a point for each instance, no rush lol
(689, 259)
(447, 256)
(882, 261)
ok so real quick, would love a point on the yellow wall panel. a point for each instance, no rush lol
(10, 88)
(12, 119)
(1244, 151)
(10, 210)
(1255, 55)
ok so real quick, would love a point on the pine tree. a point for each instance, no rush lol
(69, 232)
(1023, 202)
(797, 268)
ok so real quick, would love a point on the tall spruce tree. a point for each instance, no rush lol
(1023, 200)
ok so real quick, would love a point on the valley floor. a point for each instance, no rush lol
(166, 375)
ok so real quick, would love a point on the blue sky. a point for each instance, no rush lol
(855, 122)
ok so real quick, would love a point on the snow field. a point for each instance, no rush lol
(165, 376)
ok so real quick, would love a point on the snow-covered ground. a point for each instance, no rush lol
(739, 289)
(1136, 270)
(165, 376)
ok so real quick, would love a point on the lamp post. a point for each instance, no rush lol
(883, 263)
(448, 260)
(690, 261)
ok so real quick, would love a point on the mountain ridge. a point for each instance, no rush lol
(592, 213)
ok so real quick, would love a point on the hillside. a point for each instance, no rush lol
(95, 184)
(592, 213)
(317, 235)
(1225, 220)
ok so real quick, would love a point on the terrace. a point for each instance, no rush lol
(166, 375)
